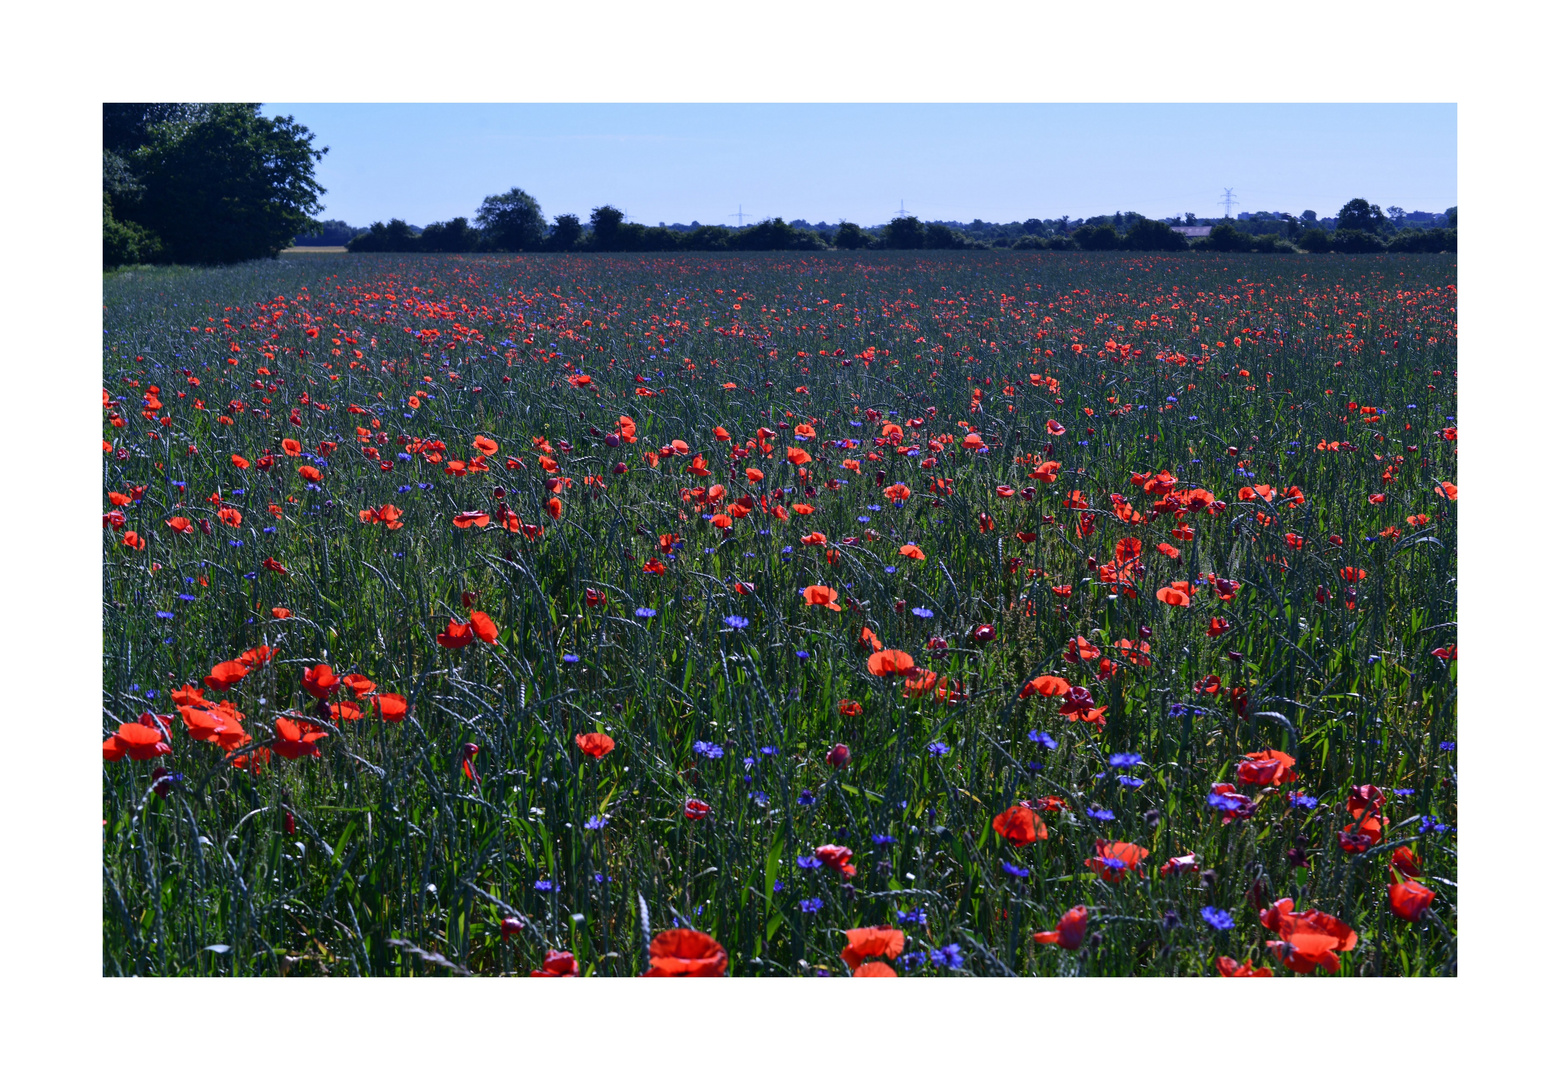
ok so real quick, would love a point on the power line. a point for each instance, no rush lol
(739, 215)
(1228, 200)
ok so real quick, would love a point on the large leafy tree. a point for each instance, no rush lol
(1361, 215)
(512, 221)
(225, 184)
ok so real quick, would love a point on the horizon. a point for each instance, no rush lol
(683, 163)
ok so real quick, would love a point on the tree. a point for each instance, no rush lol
(849, 236)
(1356, 242)
(1191, 218)
(1361, 215)
(605, 222)
(512, 221)
(904, 233)
(1225, 237)
(1451, 217)
(1314, 240)
(225, 186)
(1153, 236)
(566, 232)
(453, 235)
(396, 236)
(125, 242)
(940, 236)
(1096, 238)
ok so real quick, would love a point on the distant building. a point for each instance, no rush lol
(1192, 232)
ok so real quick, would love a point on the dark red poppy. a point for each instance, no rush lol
(1409, 899)
(696, 809)
(836, 857)
(1070, 929)
(456, 635)
(318, 681)
(558, 965)
(1266, 767)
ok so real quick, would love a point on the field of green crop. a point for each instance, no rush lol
(880, 614)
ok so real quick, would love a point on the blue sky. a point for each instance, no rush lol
(671, 163)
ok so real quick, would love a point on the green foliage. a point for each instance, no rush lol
(1356, 242)
(851, 237)
(1423, 241)
(512, 221)
(225, 184)
(1101, 237)
(1147, 235)
(124, 242)
(1361, 216)
(566, 233)
(396, 236)
(455, 235)
(1315, 241)
(904, 233)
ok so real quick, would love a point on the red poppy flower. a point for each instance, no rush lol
(483, 627)
(1181, 864)
(456, 635)
(821, 595)
(695, 809)
(1308, 938)
(836, 857)
(1405, 863)
(1409, 899)
(391, 707)
(1079, 651)
(1120, 851)
(1229, 969)
(558, 965)
(345, 711)
(360, 685)
(318, 681)
(1019, 825)
(849, 707)
(181, 525)
(874, 969)
(1070, 929)
(136, 741)
(1046, 686)
(594, 597)
(683, 953)
(310, 473)
(839, 756)
(468, 518)
(292, 742)
(595, 744)
(1266, 767)
(214, 725)
(865, 942)
(226, 674)
(1217, 627)
(188, 695)
(889, 662)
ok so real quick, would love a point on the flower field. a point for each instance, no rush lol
(902, 614)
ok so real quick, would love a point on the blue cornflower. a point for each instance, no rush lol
(645, 612)
(1224, 802)
(947, 956)
(925, 613)
(1016, 871)
(1404, 792)
(543, 885)
(164, 614)
(1130, 781)
(1307, 801)
(709, 750)
(1110, 863)
(890, 569)
(864, 519)
(1099, 813)
(936, 749)
(1218, 918)
(736, 622)
(1043, 739)
(874, 508)
(779, 886)
(403, 457)
(883, 839)
(1125, 761)
(186, 597)
(803, 654)
(913, 917)
(806, 798)
(912, 959)
(767, 751)
(596, 823)
(760, 799)
(811, 905)
(570, 658)
(1448, 746)
(808, 862)
(269, 529)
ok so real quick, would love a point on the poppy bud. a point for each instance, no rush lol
(1096, 939)
(1322, 595)
(984, 632)
(1209, 878)
(1151, 817)
(470, 750)
(611, 439)
(937, 648)
(881, 478)
(509, 926)
(1091, 563)
(899, 607)
(1027, 494)
(839, 757)
(1091, 431)
(695, 809)
(1048, 448)
(1231, 451)
(1256, 896)
(1145, 633)
(498, 493)
(289, 823)
(1234, 656)
(205, 527)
